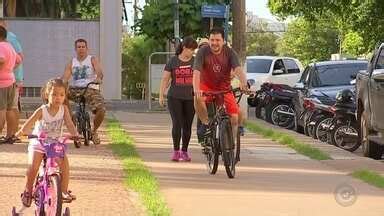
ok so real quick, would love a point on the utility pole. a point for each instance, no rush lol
(135, 17)
(238, 32)
(239, 41)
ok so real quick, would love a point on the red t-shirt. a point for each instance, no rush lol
(215, 69)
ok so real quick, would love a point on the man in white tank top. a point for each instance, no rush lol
(84, 69)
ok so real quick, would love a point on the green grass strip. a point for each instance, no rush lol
(370, 177)
(137, 175)
(288, 140)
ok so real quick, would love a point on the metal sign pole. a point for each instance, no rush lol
(149, 96)
(226, 23)
(176, 25)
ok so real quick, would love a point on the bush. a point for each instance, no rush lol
(135, 53)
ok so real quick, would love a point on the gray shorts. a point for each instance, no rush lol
(16, 99)
(7, 97)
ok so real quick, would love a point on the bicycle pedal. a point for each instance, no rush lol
(67, 201)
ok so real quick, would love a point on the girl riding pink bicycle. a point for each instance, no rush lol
(49, 120)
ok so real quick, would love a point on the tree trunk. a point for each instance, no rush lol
(239, 23)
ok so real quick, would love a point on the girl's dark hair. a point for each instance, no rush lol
(56, 82)
(188, 42)
(3, 33)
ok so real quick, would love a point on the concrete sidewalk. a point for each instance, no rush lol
(271, 179)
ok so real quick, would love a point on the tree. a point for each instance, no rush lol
(85, 9)
(362, 17)
(157, 18)
(135, 52)
(353, 44)
(312, 9)
(262, 43)
(259, 41)
(309, 41)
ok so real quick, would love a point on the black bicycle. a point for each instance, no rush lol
(81, 117)
(220, 141)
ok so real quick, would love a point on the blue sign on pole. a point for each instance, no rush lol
(214, 11)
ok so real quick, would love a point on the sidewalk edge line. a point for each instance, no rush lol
(136, 175)
(288, 140)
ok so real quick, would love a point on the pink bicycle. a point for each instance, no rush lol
(47, 194)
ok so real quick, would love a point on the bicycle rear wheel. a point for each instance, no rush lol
(227, 147)
(54, 199)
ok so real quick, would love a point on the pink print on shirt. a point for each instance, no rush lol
(183, 75)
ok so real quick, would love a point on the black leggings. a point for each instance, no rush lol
(182, 113)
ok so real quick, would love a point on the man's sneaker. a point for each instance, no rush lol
(184, 156)
(95, 138)
(241, 130)
(176, 156)
(203, 130)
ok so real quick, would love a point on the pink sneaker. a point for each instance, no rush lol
(184, 156)
(176, 156)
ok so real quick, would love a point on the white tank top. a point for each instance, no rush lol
(51, 125)
(83, 72)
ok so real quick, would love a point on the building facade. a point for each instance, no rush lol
(48, 44)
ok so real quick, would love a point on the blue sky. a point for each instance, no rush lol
(259, 8)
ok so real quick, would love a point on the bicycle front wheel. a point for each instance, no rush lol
(237, 147)
(39, 196)
(87, 129)
(227, 147)
(54, 196)
(212, 156)
(77, 124)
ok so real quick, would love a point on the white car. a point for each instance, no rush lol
(273, 69)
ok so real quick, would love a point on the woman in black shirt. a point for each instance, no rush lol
(180, 98)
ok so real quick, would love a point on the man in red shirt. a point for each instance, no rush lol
(212, 72)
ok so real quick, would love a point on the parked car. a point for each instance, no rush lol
(272, 69)
(370, 94)
(323, 80)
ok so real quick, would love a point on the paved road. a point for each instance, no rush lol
(271, 179)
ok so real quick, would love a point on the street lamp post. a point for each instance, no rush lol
(176, 24)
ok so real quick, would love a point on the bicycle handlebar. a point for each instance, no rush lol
(91, 83)
(86, 87)
(33, 136)
(213, 93)
(247, 92)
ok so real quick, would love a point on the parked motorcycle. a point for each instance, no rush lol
(318, 119)
(274, 104)
(343, 130)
